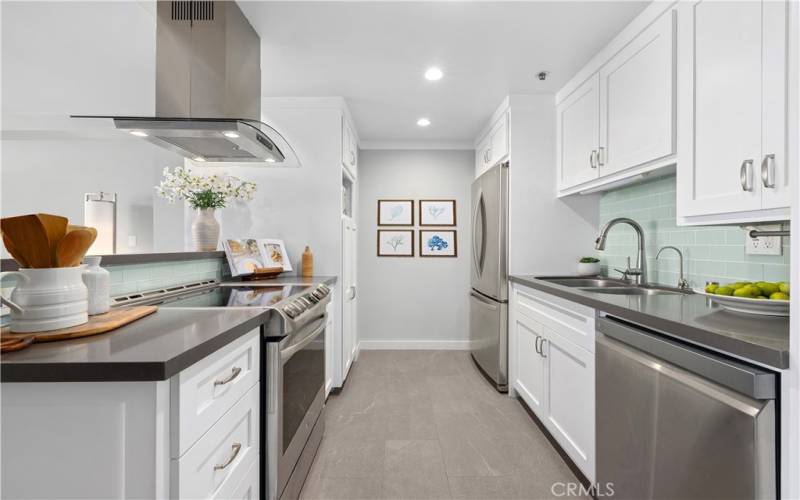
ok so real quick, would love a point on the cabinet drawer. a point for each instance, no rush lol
(202, 393)
(573, 321)
(220, 460)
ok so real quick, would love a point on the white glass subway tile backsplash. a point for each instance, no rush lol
(711, 253)
(130, 278)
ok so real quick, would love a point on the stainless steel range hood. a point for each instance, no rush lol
(208, 88)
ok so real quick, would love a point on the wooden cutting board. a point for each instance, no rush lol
(100, 323)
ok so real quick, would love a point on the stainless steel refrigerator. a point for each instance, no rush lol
(488, 305)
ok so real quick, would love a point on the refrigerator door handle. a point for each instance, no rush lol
(479, 249)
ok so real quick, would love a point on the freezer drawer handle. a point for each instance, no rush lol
(235, 448)
(234, 373)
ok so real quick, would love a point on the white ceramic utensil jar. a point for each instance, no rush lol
(47, 299)
(96, 280)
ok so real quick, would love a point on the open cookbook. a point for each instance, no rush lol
(246, 256)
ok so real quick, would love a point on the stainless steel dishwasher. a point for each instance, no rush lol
(678, 422)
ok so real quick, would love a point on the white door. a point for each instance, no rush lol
(578, 118)
(774, 165)
(349, 344)
(637, 101)
(570, 399)
(529, 382)
(719, 85)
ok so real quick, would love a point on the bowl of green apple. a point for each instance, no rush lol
(761, 297)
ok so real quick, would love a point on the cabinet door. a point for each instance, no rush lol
(637, 102)
(498, 148)
(719, 85)
(578, 140)
(349, 344)
(529, 381)
(570, 399)
(349, 147)
(774, 168)
(482, 156)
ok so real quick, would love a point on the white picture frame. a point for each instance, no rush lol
(275, 254)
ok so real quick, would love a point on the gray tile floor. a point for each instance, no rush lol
(426, 424)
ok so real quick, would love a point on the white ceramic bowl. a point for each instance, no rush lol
(749, 306)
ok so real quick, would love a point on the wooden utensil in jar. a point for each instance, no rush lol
(56, 228)
(28, 237)
(73, 247)
(13, 251)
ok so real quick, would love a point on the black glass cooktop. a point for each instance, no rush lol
(235, 296)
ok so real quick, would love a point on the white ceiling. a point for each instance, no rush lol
(375, 53)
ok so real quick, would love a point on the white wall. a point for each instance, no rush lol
(413, 302)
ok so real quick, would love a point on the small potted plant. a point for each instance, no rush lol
(205, 194)
(589, 266)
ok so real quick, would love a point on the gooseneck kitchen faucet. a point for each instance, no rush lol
(640, 271)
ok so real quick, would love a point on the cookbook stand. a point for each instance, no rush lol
(262, 273)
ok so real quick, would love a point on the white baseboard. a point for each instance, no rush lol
(425, 345)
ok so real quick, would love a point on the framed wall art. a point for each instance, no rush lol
(438, 243)
(395, 212)
(437, 212)
(395, 243)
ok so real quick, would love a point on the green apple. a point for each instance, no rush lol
(779, 296)
(723, 290)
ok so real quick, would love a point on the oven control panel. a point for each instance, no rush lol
(306, 301)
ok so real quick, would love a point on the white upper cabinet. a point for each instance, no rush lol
(637, 105)
(732, 107)
(492, 147)
(616, 118)
(578, 125)
(349, 148)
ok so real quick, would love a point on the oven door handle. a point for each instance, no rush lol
(290, 351)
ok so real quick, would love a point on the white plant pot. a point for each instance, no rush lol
(97, 280)
(205, 230)
(588, 268)
(47, 299)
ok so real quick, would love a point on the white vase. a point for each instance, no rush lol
(205, 230)
(47, 299)
(96, 280)
(588, 268)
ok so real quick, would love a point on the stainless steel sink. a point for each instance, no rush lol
(633, 290)
(587, 282)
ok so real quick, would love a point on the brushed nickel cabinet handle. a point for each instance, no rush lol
(234, 373)
(746, 175)
(536, 344)
(593, 158)
(600, 156)
(235, 448)
(767, 176)
(541, 347)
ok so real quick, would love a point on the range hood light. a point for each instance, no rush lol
(198, 158)
(231, 134)
(269, 160)
(138, 133)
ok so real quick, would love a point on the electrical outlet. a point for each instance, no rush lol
(132, 241)
(769, 245)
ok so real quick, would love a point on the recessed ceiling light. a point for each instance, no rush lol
(423, 122)
(433, 74)
(138, 133)
(231, 134)
(198, 158)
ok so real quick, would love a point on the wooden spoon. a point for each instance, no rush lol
(73, 247)
(56, 228)
(29, 239)
(16, 255)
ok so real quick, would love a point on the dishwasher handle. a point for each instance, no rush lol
(740, 377)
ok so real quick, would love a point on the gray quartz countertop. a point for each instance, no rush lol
(155, 347)
(691, 318)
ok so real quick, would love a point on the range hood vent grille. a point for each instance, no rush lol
(192, 10)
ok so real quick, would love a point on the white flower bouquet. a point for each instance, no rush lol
(201, 191)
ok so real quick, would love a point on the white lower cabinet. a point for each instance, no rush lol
(553, 374)
(194, 436)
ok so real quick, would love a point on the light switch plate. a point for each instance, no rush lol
(132, 241)
(769, 245)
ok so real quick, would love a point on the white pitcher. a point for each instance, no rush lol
(47, 299)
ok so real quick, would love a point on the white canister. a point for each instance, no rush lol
(97, 281)
(47, 299)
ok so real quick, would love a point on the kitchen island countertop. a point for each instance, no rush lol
(688, 317)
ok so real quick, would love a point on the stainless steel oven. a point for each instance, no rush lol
(295, 394)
